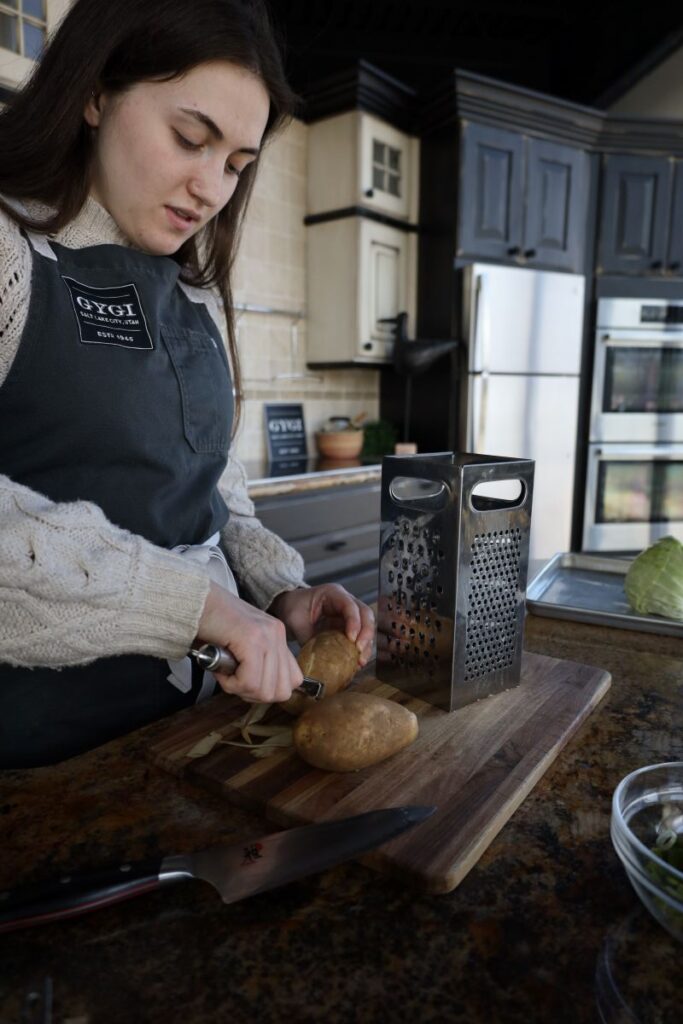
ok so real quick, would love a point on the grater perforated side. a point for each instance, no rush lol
(452, 576)
(491, 635)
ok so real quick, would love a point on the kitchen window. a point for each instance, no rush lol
(23, 27)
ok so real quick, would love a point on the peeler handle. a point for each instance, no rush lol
(213, 658)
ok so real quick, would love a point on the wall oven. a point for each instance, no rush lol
(634, 480)
(638, 371)
(634, 496)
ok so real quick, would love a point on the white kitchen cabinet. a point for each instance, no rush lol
(360, 272)
(356, 159)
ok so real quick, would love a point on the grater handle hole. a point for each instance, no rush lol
(418, 493)
(497, 495)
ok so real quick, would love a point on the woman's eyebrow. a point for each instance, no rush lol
(214, 129)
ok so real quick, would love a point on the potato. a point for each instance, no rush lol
(330, 657)
(353, 730)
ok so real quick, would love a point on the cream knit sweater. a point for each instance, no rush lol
(74, 587)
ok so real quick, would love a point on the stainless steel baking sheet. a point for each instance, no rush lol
(590, 588)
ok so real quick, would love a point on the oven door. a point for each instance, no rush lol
(637, 387)
(634, 496)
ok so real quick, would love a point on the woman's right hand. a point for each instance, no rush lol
(266, 670)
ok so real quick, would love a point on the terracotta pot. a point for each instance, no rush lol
(342, 444)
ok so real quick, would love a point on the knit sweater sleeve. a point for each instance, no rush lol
(264, 564)
(15, 286)
(74, 587)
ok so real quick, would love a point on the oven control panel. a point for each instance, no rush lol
(665, 313)
(643, 314)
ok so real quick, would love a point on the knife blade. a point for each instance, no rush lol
(213, 658)
(235, 870)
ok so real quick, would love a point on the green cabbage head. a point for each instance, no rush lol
(654, 581)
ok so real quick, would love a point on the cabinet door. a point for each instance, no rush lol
(556, 204)
(635, 208)
(675, 254)
(386, 285)
(490, 203)
(388, 168)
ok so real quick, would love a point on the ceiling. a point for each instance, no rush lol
(587, 54)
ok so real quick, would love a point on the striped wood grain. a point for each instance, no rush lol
(476, 765)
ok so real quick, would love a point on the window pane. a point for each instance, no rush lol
(393, 185)
(36, 8)
(378, 178)
(394, 159)
(9, 32)
(11, 3)
(34, 41)
(378, 149)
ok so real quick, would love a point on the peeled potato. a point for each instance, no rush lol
(330, 657)
(353, 730)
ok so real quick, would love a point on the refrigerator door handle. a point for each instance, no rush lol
(480, 350)
(480, 433)
(479, 354)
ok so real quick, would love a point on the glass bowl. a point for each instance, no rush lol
(647, 809)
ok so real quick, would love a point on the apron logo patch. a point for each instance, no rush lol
(109, 316)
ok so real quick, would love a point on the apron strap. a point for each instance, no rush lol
(37, 241)
(211, 556)
(40, 244)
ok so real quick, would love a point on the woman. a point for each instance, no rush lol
(126, 164)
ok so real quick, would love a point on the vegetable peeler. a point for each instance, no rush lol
(213, 658)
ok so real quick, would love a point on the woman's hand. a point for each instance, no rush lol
(267, 670)
(308, 610)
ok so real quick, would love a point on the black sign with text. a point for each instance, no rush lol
(285, 431)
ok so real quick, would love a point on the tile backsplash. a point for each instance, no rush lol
(271, 271)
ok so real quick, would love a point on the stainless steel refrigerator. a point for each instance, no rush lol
(524, 332)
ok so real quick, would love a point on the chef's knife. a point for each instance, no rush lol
(237, 870)
(213, 658)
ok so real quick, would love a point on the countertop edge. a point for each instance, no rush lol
(270, 487)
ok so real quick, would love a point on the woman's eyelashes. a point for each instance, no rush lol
(186, 143)
(196, 146)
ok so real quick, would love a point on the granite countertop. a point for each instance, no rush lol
(520, 940)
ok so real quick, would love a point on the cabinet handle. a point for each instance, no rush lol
(674, 266)
(335, 545)
(656, 265)
(529, 253)
(369, 192)
(513, 250)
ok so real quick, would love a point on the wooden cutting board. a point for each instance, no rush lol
(476, 765)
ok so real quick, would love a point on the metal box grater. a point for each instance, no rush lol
(454, 554)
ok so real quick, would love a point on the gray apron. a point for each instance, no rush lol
(120, 394)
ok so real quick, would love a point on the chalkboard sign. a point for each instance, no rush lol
(285, 431)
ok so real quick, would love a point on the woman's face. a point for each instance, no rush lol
(168, 154)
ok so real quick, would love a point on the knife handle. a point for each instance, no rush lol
(213, 658)
(69, 896)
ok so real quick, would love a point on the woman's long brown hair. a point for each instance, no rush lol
(46, 147)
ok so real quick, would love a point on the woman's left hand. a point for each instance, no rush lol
(329, 606)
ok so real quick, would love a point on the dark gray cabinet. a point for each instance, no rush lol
(335, 530)
(635, 205)
(522, 199)
(675, 252)
(556, 205)
(490, 222)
